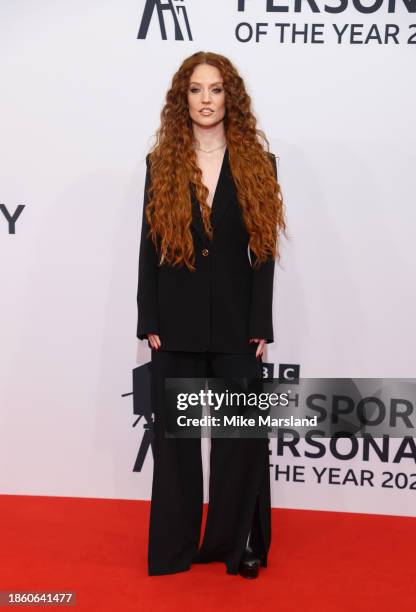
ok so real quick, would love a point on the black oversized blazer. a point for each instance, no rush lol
(225, 301)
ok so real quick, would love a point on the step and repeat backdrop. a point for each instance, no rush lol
(83, 83)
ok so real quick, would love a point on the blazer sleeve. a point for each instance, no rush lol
(147, 300)
(261, 310)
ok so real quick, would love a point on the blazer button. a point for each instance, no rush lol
(205, 252)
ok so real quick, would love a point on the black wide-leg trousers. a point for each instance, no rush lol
(239, 480)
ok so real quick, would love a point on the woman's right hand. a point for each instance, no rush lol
(154, 341)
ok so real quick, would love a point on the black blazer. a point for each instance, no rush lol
(224, 302)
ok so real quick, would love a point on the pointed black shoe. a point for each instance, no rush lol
(249, 565)
(250, 561)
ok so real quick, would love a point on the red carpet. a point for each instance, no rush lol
(97, 547)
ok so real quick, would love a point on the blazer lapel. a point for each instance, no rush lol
(197, 222)
(220, 203)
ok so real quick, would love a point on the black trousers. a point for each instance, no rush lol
(239, 480)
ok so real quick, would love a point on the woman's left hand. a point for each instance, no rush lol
(260, 348)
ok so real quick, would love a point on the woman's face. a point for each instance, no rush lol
(206, 97)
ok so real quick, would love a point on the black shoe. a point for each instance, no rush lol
(249, 565)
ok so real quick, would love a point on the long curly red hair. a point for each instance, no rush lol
(173, 166)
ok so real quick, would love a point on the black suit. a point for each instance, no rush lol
(225, 301)
(205, 320)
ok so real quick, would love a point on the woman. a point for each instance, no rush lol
(212, 214)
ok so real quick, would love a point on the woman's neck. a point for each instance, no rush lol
(209, 138)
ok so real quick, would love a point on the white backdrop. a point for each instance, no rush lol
(80, 101)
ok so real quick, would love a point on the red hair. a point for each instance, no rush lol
(173, 166)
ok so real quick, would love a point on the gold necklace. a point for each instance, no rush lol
(212, 150)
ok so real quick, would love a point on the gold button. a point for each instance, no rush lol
(205, 252)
